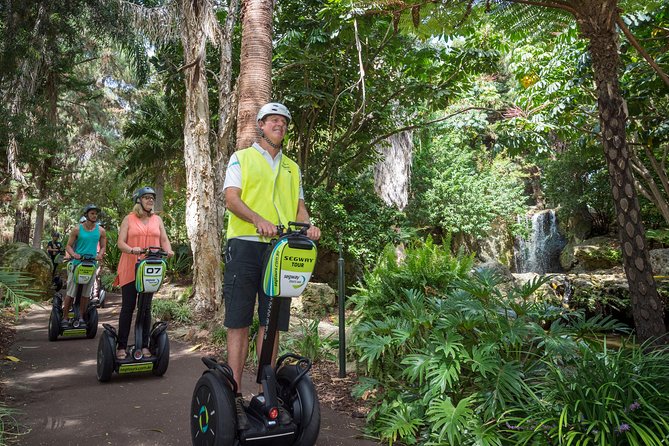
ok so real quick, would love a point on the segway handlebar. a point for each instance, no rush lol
(283, 230)
(153, 251)
(83, 258)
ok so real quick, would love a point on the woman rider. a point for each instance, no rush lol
(140, 229)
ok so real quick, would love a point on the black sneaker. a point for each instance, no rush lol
(242, 419)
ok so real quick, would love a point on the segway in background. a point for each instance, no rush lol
(70, 325)
(287, 386)
(148, 279)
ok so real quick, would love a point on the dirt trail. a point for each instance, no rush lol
(62, 403)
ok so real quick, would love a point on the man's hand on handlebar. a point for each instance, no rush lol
(314, 233)
(266, 228)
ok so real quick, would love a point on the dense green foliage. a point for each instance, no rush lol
(452, 358)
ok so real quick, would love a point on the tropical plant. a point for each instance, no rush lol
(601, 396)
(452, 362)
(15, 290)
(9, 426)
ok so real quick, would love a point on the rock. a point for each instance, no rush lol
(34, 262)
(597, 253)
(579, 224)
(498, 245)
(659, 260)
(316, 300)
(567, 259)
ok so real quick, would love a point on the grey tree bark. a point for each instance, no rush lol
(201, 205)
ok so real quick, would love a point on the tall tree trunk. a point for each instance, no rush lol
(201, 215)
(227, 105)
(159, 186)
(23, 87)
(22, 217)
(45, 169)
(255, 71)
(598, 25)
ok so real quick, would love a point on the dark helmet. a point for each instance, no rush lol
(141, 192)
(90, 207)
(55, 234)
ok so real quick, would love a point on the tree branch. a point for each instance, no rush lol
(424, 124)
(554, 5)
(639, 48)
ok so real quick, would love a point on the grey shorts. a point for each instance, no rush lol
(242, 286)
(72, 287)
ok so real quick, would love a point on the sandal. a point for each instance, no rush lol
(146, 353)
(121, 354)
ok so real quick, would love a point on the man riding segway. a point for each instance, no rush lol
(83, 241)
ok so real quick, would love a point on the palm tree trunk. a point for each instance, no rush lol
(598, 25)
(201, 214)
(255, 72)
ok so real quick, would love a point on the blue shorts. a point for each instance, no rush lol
(242, 286)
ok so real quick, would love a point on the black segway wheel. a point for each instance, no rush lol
(54, 325)
(105, 357)
(302, 403)
(162, 353)
(92, 324)
(213, 419)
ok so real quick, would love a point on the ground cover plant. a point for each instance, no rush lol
(452, 357)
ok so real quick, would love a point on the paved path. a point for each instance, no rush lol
(62, 403)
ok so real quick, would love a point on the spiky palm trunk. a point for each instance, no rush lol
(596, 20)
(255, 72)
(201, 214)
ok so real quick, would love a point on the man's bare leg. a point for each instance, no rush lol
(238, 350)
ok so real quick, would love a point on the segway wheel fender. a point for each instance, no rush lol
(105, 357)
(302, 404)
(162, 353)
(54, 325)
(213, 415)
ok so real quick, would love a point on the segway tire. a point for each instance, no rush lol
(92, 325)
(302, 403)
(105, 357)
(213, 414)
(162, 353)
(54, 325)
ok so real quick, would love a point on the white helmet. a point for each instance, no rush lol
(273, 108)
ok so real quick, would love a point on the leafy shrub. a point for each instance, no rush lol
(219, 335)
(108, 281)
(171, 310)
(112, 252)
(181, 263)
(459, 362)
(309, 342)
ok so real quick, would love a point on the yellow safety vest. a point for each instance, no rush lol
(272, 195)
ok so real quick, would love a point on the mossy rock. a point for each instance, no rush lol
(597, 253)
(34, 262)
